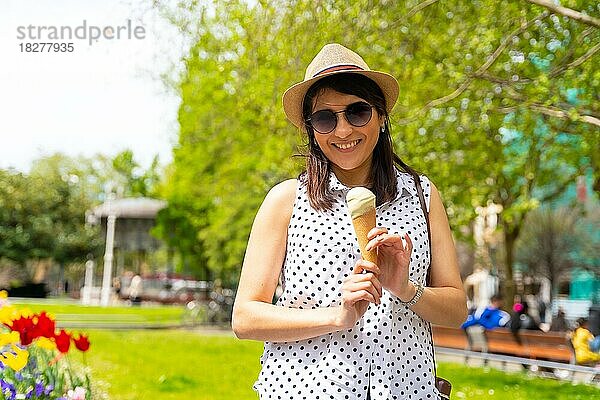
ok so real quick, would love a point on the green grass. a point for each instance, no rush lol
(186, 365)
(70, 312)
(173, 364)
(179, 364)
(486, 383)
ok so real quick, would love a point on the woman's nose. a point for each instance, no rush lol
(343, 128)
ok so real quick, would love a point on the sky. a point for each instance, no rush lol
(103, 97)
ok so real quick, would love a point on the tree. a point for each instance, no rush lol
(42, 214)
(587, 236)
(74, 240)
(232, 146)
(22, 233)
(178, 226)
(484, 85)
(134, 181)
(546, 245)
(556, 240)
(508, 67)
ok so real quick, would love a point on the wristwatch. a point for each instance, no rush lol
(417, 295)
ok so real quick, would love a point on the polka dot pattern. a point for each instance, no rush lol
(389, 352)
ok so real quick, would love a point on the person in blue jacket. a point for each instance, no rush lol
(489, 317)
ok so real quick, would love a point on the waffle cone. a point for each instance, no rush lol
(362, 225)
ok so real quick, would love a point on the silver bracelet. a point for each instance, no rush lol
(417, 296)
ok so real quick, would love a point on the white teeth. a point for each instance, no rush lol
(348, 145)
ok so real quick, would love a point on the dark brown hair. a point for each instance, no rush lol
(318, 167)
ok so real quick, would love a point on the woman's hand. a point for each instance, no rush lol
(393, 259)
(359, 289)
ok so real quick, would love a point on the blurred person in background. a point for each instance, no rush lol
(521, 319)
(489, 317)
(559, 322)
(585, 344)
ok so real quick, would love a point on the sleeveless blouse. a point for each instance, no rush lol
(389, 352)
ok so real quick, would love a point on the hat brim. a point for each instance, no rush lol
(294, 96)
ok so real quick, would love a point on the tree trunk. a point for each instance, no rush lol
(510, 238)
(170, 254)
(61, 279)
(40, 270)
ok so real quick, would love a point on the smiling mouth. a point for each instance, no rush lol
(347, 145)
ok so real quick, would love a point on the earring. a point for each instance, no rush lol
(381, 129)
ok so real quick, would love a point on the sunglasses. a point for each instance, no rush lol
(357, 114)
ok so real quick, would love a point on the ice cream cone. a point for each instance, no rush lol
(362, 225)
(361, 203)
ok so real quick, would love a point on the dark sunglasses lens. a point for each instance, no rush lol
(323, 121)
(359, 114)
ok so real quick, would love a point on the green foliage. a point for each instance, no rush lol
(496, 99)
(42, 214)
(17, 228)
(129, 176)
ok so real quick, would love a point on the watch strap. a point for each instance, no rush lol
(418, 293)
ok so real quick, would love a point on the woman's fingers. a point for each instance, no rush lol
(354, 297)
(366, 266)
(409, 244)
(364, 282)
(379, 230)
(372, 286)
(388, 240)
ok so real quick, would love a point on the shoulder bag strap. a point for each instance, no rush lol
(443, 386)
(426, 215)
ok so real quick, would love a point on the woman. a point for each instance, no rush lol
(346, 328)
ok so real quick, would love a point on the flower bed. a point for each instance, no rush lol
(34, 361)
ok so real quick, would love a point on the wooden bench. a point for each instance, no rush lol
(449, 337)
(552, 346)
(504, 342)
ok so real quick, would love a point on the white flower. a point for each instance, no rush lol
(77, 394)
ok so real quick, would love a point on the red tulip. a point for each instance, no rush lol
(45, 325)
(26, 329)
(82, 343)
(63, 341)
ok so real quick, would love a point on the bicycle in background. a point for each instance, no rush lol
(216, 310)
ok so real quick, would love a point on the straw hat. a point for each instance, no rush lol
(334, 59)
